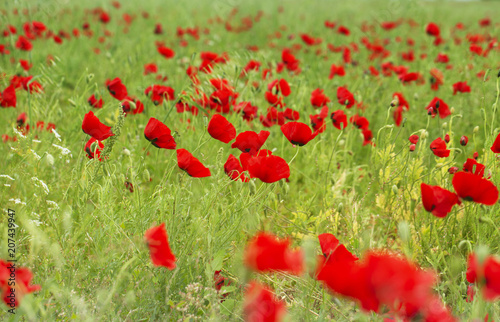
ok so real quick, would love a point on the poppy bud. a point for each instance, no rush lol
(253, 188)
(340, 207)
(412, 147)
(430, 111)
(341, 142)
(395, 189)
(146, 176)
(424, 134)
(89, 77)
(395, 102)
(464, 140)
(447, 138)
(453, 170)
(49, 159)
(445, 124)
(404, 231)
(126, 152)
(475, 155)
(72, 102)
(452, 110)
(476, 129)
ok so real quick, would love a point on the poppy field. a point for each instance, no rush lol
(249, 160)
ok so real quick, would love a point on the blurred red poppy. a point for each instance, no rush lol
(8, 97)
(159, 248)
(94, 102)
(266, 253)
(15, 283)
(345, 97)
(339, 119)
(261, 305)
(486, 274)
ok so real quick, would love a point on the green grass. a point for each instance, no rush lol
(88, 252)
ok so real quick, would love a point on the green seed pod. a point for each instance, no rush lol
(395, 189)
(340, 207)
(146, 176)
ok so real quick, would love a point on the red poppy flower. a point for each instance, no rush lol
(15, 288)
(470, 187)
(318, 98)
(495, 148)
(474, 167)
(94, 102)
(261, 305)
(250, 141)
(360, 122)
(194, 168)
(413, 138)
(336, 70)
(367, 136)
(132, 105)
(159, 135)
(93, 127)
(438, 147)
(432, 29)
(165, 51)
(486, 274)
(234, 170)
(291, 115)
(97, 149)
(160, 92)
(345, 97)
(8, 97)
(268, 168)
(298, 133)
(437, 200)
(23, 43)
(339, 119)
(151, 68)
(25, 64)
(291, 63)
(21, 119)
(116, 88)
(159, 249)
(279, 86)
(266, 253)
(334, 251)
(461, 87)
(221, 129)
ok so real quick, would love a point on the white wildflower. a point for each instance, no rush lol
(36, 155)
(39, 183)
(17, 201)
(6, 176)
(19, 133)
(56, 134)
(64, 151)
